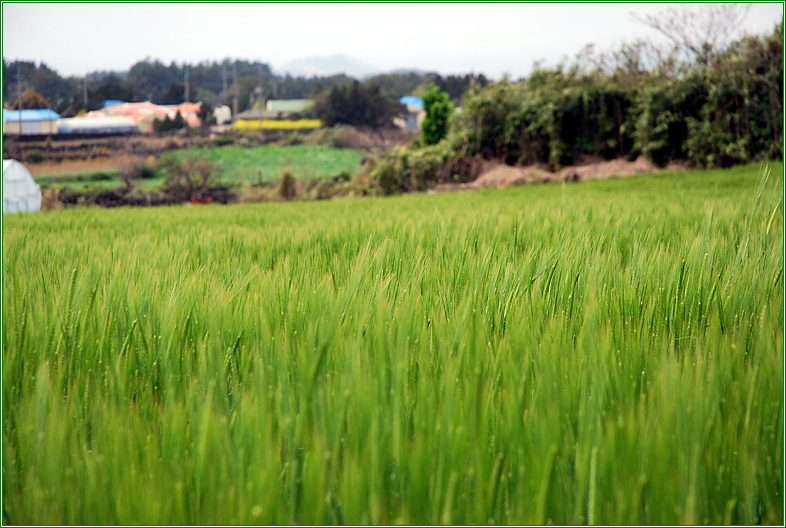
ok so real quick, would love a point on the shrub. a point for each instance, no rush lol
(222, 141)
(98, 176)
(425, 162)
(188, 178)
(36, 156)
(438, 110)
(49, 200)
(323, 189)
(351, 138)
(287, 189)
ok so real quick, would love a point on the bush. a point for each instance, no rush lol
(350, 138)
(139, 171)
(402, 169)
(438, 110)
(223, 141)
(188, 178)
(424, 163)
(98, 176)
(35, 156)
(49, 200)
(252, 193)
(323, 189)
(287, 189)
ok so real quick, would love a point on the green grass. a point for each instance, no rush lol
(606, 352)
(80, 179)
(263, 163)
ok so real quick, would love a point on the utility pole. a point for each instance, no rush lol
(85, 93)
(19, 95)
(259, 82)
(224, 94)
(187, 94)
(237, 94)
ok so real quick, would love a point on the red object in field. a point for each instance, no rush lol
(203, 201)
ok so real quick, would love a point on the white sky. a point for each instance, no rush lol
(75, 39)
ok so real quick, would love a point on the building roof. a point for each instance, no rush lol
(257, 113)
(97, 123)
(39, 114)
(288, 105)
(411, 100)
(136, 111)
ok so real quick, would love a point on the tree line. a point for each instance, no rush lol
(716, 109)
(722, 109)
(212, 82)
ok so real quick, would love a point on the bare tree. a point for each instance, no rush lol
(633, 58)
(699, 30)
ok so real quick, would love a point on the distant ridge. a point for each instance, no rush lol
(327, 66)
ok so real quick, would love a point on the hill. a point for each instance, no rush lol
(327, 66)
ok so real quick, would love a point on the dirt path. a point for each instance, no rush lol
(499, 175)
(96, 164)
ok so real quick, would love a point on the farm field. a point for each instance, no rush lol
(236, 165)
(607, 352)
(243, 164)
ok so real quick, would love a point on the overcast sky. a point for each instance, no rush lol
(75, 39)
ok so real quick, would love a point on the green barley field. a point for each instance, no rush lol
(263, 163)
(606, 352)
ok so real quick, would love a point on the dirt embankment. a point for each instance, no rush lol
(91, 154)
(497, 175)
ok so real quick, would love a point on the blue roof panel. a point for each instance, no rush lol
(411, 100)
(40, 114)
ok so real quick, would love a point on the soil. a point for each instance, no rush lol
(83, 165)
(498, 175)
(63, 155)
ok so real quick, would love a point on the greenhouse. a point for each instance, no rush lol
(20, 191)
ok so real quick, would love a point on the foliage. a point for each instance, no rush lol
(402, 169)
(396, 85)
(458, 85)
(174, 95)
(137, 171)
(698, 32)
(358, 105)
(608, 353)
(155, 81)
(35, 156)
(189, 177)
(168, 125)
(31, 100)
(38, 77)
(223, 141)
(287, 183)
(720, 114)
(438, 110)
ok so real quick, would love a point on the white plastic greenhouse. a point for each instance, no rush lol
(20, 192)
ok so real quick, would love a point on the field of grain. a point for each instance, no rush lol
(242, 164)
(607, 352)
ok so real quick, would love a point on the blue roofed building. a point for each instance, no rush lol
(413, 119)
(41, 121)
(411, 100)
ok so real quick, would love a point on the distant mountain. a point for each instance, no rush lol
(414, 71)
(327, 66)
